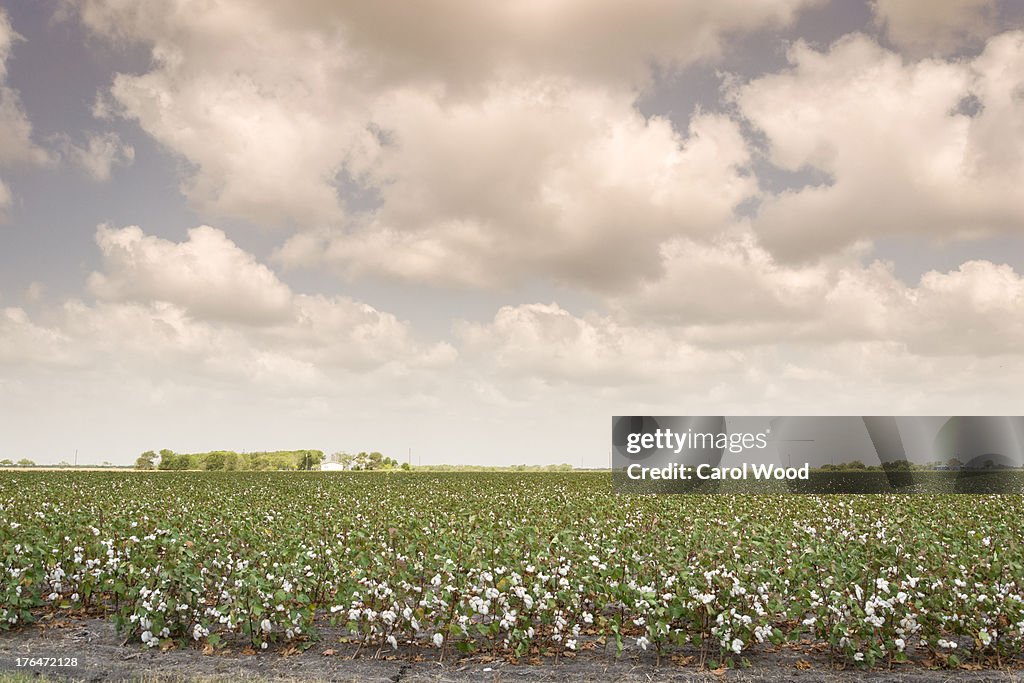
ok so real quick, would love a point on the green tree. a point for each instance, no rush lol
(166, 453)
(146, 461)
(6, 462)
(315, 459)
(169, 460)
(214, 460)
(25, 462)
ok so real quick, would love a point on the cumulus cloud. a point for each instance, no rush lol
(208, 299)
(548, 356)
(929, 148)
(16, 145)
(492, 148)
(977, 309)
(855, 333)
(207, 274)
(24, 341)
(5, 198)
(208, 283)
(549, 343)
(444, 40)
(573, 186)
(15, 129)
(99, 155)
(337, 332)
(734, 294)
(936, 27)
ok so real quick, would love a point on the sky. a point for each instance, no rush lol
(463, 232)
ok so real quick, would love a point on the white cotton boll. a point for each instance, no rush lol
(438, 639)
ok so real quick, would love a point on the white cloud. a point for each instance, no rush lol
(339, 332)
(936, 27)
(208, 275)
(99, 155)
(210, 292)
(547, 342)
(442, 41)
(733, 294)
(544, 181)
(16, 145)
(5, 198)
(903, 154)
(861, 343)
(23, 341)
(723, 281)
(35, 291)
(479, 128)
(977, 309)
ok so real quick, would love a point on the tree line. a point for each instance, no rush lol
(901, 465)
(230, 461)
(367, 461)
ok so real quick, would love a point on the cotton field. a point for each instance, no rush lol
(513, 565)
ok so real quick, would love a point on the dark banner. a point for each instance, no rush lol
(874, 454)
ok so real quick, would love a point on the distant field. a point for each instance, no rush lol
(513, 564)
(63, 468)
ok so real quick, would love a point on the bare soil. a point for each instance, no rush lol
(102, 657)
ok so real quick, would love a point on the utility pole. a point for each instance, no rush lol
(76, 457)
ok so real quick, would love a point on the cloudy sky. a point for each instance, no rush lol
(477, 230)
